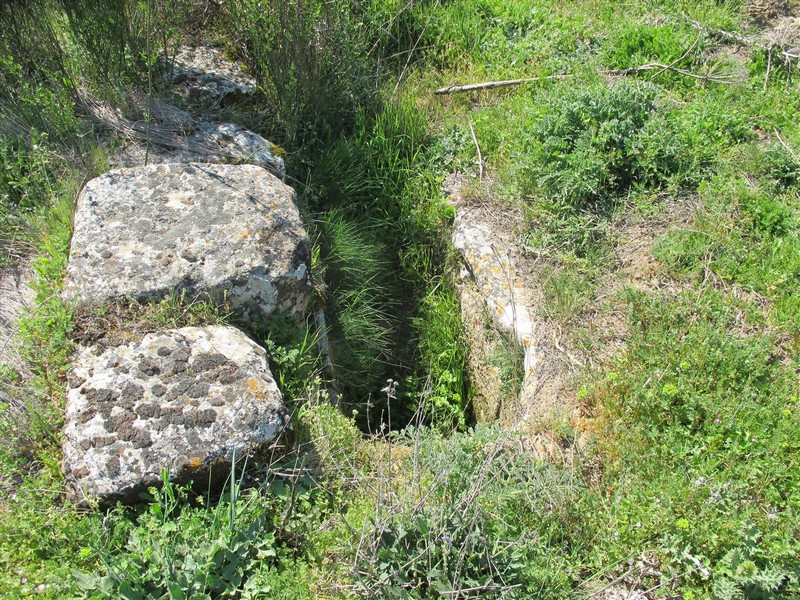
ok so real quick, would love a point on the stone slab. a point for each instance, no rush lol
(204, 72)
(182, 400)
(490, 269)
(232, 232)
(208, 142)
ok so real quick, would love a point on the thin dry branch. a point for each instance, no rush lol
(164, 134)
(478, 149)
(788, 148)
(169, 128)
(788, 52)
(488, 85)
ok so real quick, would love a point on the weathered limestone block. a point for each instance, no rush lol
(233, 143)
(484, 347)
(183, 400)
(495, 275)
(204, 72)
(208, 142)
(232, 232)
(490, 273)
(16, 297)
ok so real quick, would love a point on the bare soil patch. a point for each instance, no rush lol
(763, 13)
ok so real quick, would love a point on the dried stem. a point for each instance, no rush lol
(488, 85)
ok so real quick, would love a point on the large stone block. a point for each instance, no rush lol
(231, 232)
(183, 400)
(207, 142)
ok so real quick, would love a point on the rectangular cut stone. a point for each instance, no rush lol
(183, 400)
(232, 232)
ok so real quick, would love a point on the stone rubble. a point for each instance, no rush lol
(185, 402)
(204, 73)
(209, 143)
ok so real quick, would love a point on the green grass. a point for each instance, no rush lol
(746, 234)
(181, 547)
(689, 417)
(570, 290)
(700, 428)
(689, 460)
(442, 357)
(29, 421)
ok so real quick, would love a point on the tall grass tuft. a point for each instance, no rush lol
(310, 60)
(359, 274)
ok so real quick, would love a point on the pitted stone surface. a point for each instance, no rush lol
(496, 276)
(183, 400)
(232, 232)
(204, 72)
(210, 143)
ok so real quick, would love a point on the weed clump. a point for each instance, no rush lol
(310, 59)
(463, 518)
(593, 145)
(358, 275)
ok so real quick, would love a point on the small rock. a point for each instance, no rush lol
(209, 143)
(203, 72)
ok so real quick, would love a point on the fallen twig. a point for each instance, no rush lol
(769, 68)
(478, 148)
(481, 588)
(488, 85)
(788, 149)
(684, 55)
(788, 51)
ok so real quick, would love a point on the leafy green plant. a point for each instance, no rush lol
(743, 572)
(180, 547)
(294, 353)
(592, 145)
(185, 553)
(443, 358)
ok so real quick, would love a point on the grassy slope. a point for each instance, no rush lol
(696, 424)
(690, 484)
